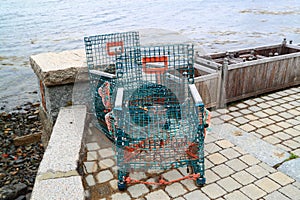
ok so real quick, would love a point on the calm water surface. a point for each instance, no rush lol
(35, 26)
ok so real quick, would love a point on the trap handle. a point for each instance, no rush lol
(110, 45)
(155, 69)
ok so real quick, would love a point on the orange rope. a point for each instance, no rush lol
(162, 181)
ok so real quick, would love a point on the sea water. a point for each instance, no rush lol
(35, 26)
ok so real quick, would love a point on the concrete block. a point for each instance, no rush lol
(60, 188)
(58, 68)
(62, 153)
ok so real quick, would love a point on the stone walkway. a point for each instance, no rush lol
(231, 171)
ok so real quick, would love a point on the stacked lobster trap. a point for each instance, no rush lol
(151, 108)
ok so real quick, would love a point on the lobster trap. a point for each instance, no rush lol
(158, 115)
(101, 51)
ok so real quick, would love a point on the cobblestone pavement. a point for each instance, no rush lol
(231, 172)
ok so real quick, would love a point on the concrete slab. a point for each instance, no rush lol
(62, 153)
(291, 168)
(59, 68)
(60, 188)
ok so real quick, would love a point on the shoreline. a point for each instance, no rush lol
(21, 150)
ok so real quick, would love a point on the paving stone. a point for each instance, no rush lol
(286, 115)
(241, 105)
(257, 124)
(274, 128)
(297, 184)
(92, 146)
(226, 118)
(222, 170)
(229, 184)
(257, 171)
(236, 195)
(281, 178)
(284, 124)
(247, 127)
(90, 180)
(234, 123)
(272, 103)
(267, 184)
(153, 187)
(216, 121)
(260, 114)
(114, 184)
(288, 106)
(104, 176)
(259, 100)
(212, 148)
(280, 101)
(241, 120)
(238, 149)
(197, 194)
(233, 108)
(264, 131)
(254, 108)
(276, 195)
(279, 108)
(120, 196)
(104, 153)
(243, 177)
(137, 190)
(293, 121)
(245, 111)
(175, 190)
(190, 184)
(207, 164)
(251, 117)
(236, 165)
(211, 176)
(267, 167)
(216, 158)
(230, 153)
(293, 132)
(92, 155)
(210, 138)
(283, 147)
(296, 152)
(282, 136)
(291, 191)
(106, 163)
(172, 175)
(250, 102)
(224, 144)
(276, 118)
(90, 167)
(263, 105)
(275, 96)
(235, 114)
(252, 191)
(298, 126)
(292, 144)
(213, 191)
(180, 198)
(294, 112)
(297, 139)
(266, 97)
(272, 140)
(159, 194)
(267, 121)
(250, 160)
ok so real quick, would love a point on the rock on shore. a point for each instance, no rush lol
(20, 151)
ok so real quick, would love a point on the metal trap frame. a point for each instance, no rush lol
(101, 51)
(158, 114)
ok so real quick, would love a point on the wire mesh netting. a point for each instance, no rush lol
(101, 51)
(158, 123)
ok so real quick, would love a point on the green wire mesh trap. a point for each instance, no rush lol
(158, 113)
(101, 51)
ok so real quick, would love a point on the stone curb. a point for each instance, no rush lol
(260, 149)
(57, 176)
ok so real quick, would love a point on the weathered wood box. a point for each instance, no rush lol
(235, 75)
